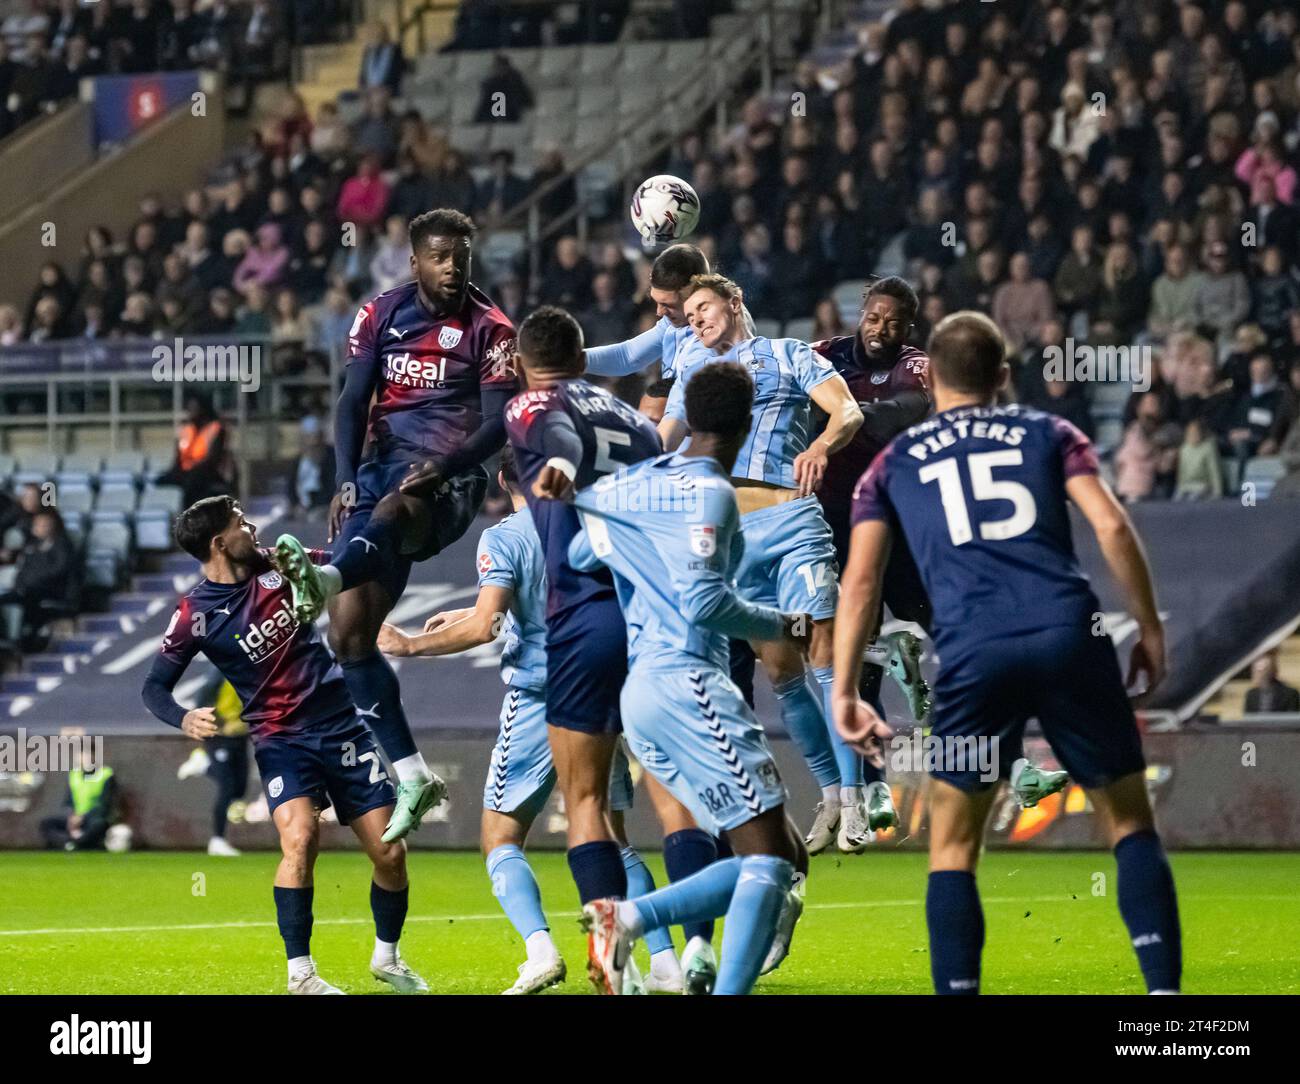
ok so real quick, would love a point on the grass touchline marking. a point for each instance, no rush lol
(53, 931)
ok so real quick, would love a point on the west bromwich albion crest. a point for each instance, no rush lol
(448, 337)
(704, 541)
(271, 580)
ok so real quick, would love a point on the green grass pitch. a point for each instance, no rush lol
(102, 923)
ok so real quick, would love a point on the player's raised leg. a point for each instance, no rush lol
(355, 620)
(389, 898)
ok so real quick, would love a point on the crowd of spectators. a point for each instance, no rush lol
(48, 46)
(1084, 174)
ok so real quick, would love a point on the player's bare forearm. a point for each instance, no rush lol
(671, 434)
(843, 415)
(470, 631)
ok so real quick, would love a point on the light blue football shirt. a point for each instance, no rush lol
(785, 371)
(669, 530)
(510, 556)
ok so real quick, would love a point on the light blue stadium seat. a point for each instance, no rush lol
(116, 498)
(123, 468)
(163, 498)
(33, 468)
(153, 530)
(74, 499)
(1263, 472)
(799, 329)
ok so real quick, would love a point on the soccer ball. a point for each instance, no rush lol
(664, 209)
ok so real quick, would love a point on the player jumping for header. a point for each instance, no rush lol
(789, 559)
(980, 493)
(437, 356)
(312, 746)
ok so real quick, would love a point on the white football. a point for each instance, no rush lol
(665, 209)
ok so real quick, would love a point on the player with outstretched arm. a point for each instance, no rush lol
(436, 355)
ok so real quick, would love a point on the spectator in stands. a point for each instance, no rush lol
(1022, 304)
(1261, 415)
(391, 264)
(46, 582)
(503, 189)
(138, 317)
(266, 263)
(199, 466)
(1074, 124)
(1148, 454)
(309, 268)
(378, 131)
(753, 271)
(504, 95)
(54, 285)
(567, 281)
(90, 809)
(1200, 471)
(1174, 295)
(382, 63)
(611, 315)
(1223, 299)
(11, 326)
(16, 522)
(330, 137)
(453, 184)
(1078, 280)
(363, 199)
(1268, 694)
(827, 321)
(1275, 294)
(219, 317)
(75, 65)
(1122, 304)
(552, 170)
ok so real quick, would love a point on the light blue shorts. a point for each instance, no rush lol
(521, 776)
(789, 559)
(692, 730)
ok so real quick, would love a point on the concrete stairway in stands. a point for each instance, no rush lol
(94, 636)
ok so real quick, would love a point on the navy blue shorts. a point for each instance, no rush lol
(586, 662)
(1065, 678)
(453, 510)
(334, 763)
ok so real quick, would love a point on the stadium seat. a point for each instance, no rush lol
(164, 498)
(35, 468)
(593, 100)
(82, 463)
(799, 329)
(598, 62)
(123, 468)
(687, 55)
(643, 57)
(556, 101)
(464, 104)
(557, 67)
(594, 131)
(506, 137)
(7, 466)
(153, 530)
(77, 524)
(1263, 472)
(74, 499)
(471, 138)
(116, 498)
(769, 329)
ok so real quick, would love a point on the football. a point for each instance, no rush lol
(664, 209)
